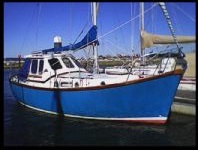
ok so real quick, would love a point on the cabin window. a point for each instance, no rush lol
(41, 62)
(54, 63)
(34, 66)
(77, 62)
(68, 63)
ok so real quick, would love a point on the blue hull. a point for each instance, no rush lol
(148, 101)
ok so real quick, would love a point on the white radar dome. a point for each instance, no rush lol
(57, 39)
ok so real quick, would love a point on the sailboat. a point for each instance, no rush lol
(54, 82)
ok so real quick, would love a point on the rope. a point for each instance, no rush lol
(37, 24)
(119, 26)
(163, 7)
(113, 54)
(125, 23)
(81, 32)
(119, 47)
(184, 13)
(27, 31)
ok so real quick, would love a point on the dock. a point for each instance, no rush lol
(185, 102)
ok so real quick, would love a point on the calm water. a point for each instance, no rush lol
(24, 126)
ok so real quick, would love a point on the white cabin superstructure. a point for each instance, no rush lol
(64, 71)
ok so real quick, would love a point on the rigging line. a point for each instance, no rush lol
(131, 30)
(28, 29)
(152, 21)
(126, 22)
(165, 12)
(154, 18)
(148, 22)
(132, 26)
(155, 4)
(86, 54)
(123, 49)
(86, 24)
(122, 34)
(113, 53)
(39, 7)
(91, 10)
(70, 22)
(184, 12)
(179, 28)
(81, 32)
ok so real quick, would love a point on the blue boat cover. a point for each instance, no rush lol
(23, 72)
(89, 39)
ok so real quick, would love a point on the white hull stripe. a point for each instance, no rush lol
(100, 118)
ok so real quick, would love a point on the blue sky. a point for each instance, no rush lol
(32, 26)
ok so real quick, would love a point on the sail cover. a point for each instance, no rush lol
(149, 40)
(90, 38)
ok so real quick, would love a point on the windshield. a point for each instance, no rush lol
(77, 62)
(67, 63)
(54, 63)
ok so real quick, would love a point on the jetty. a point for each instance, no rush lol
(185, 102)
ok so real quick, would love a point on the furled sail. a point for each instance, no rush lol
(89, 39)
(149, 40)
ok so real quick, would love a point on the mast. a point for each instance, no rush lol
(142, 29)
(95, 47)
(132, 36)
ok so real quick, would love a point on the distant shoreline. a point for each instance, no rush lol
(190, 58)
(7, 68)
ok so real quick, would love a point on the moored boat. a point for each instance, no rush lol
(77, 93)
(55, 82)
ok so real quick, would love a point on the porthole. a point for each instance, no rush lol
(102, 83)
(76, 84)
